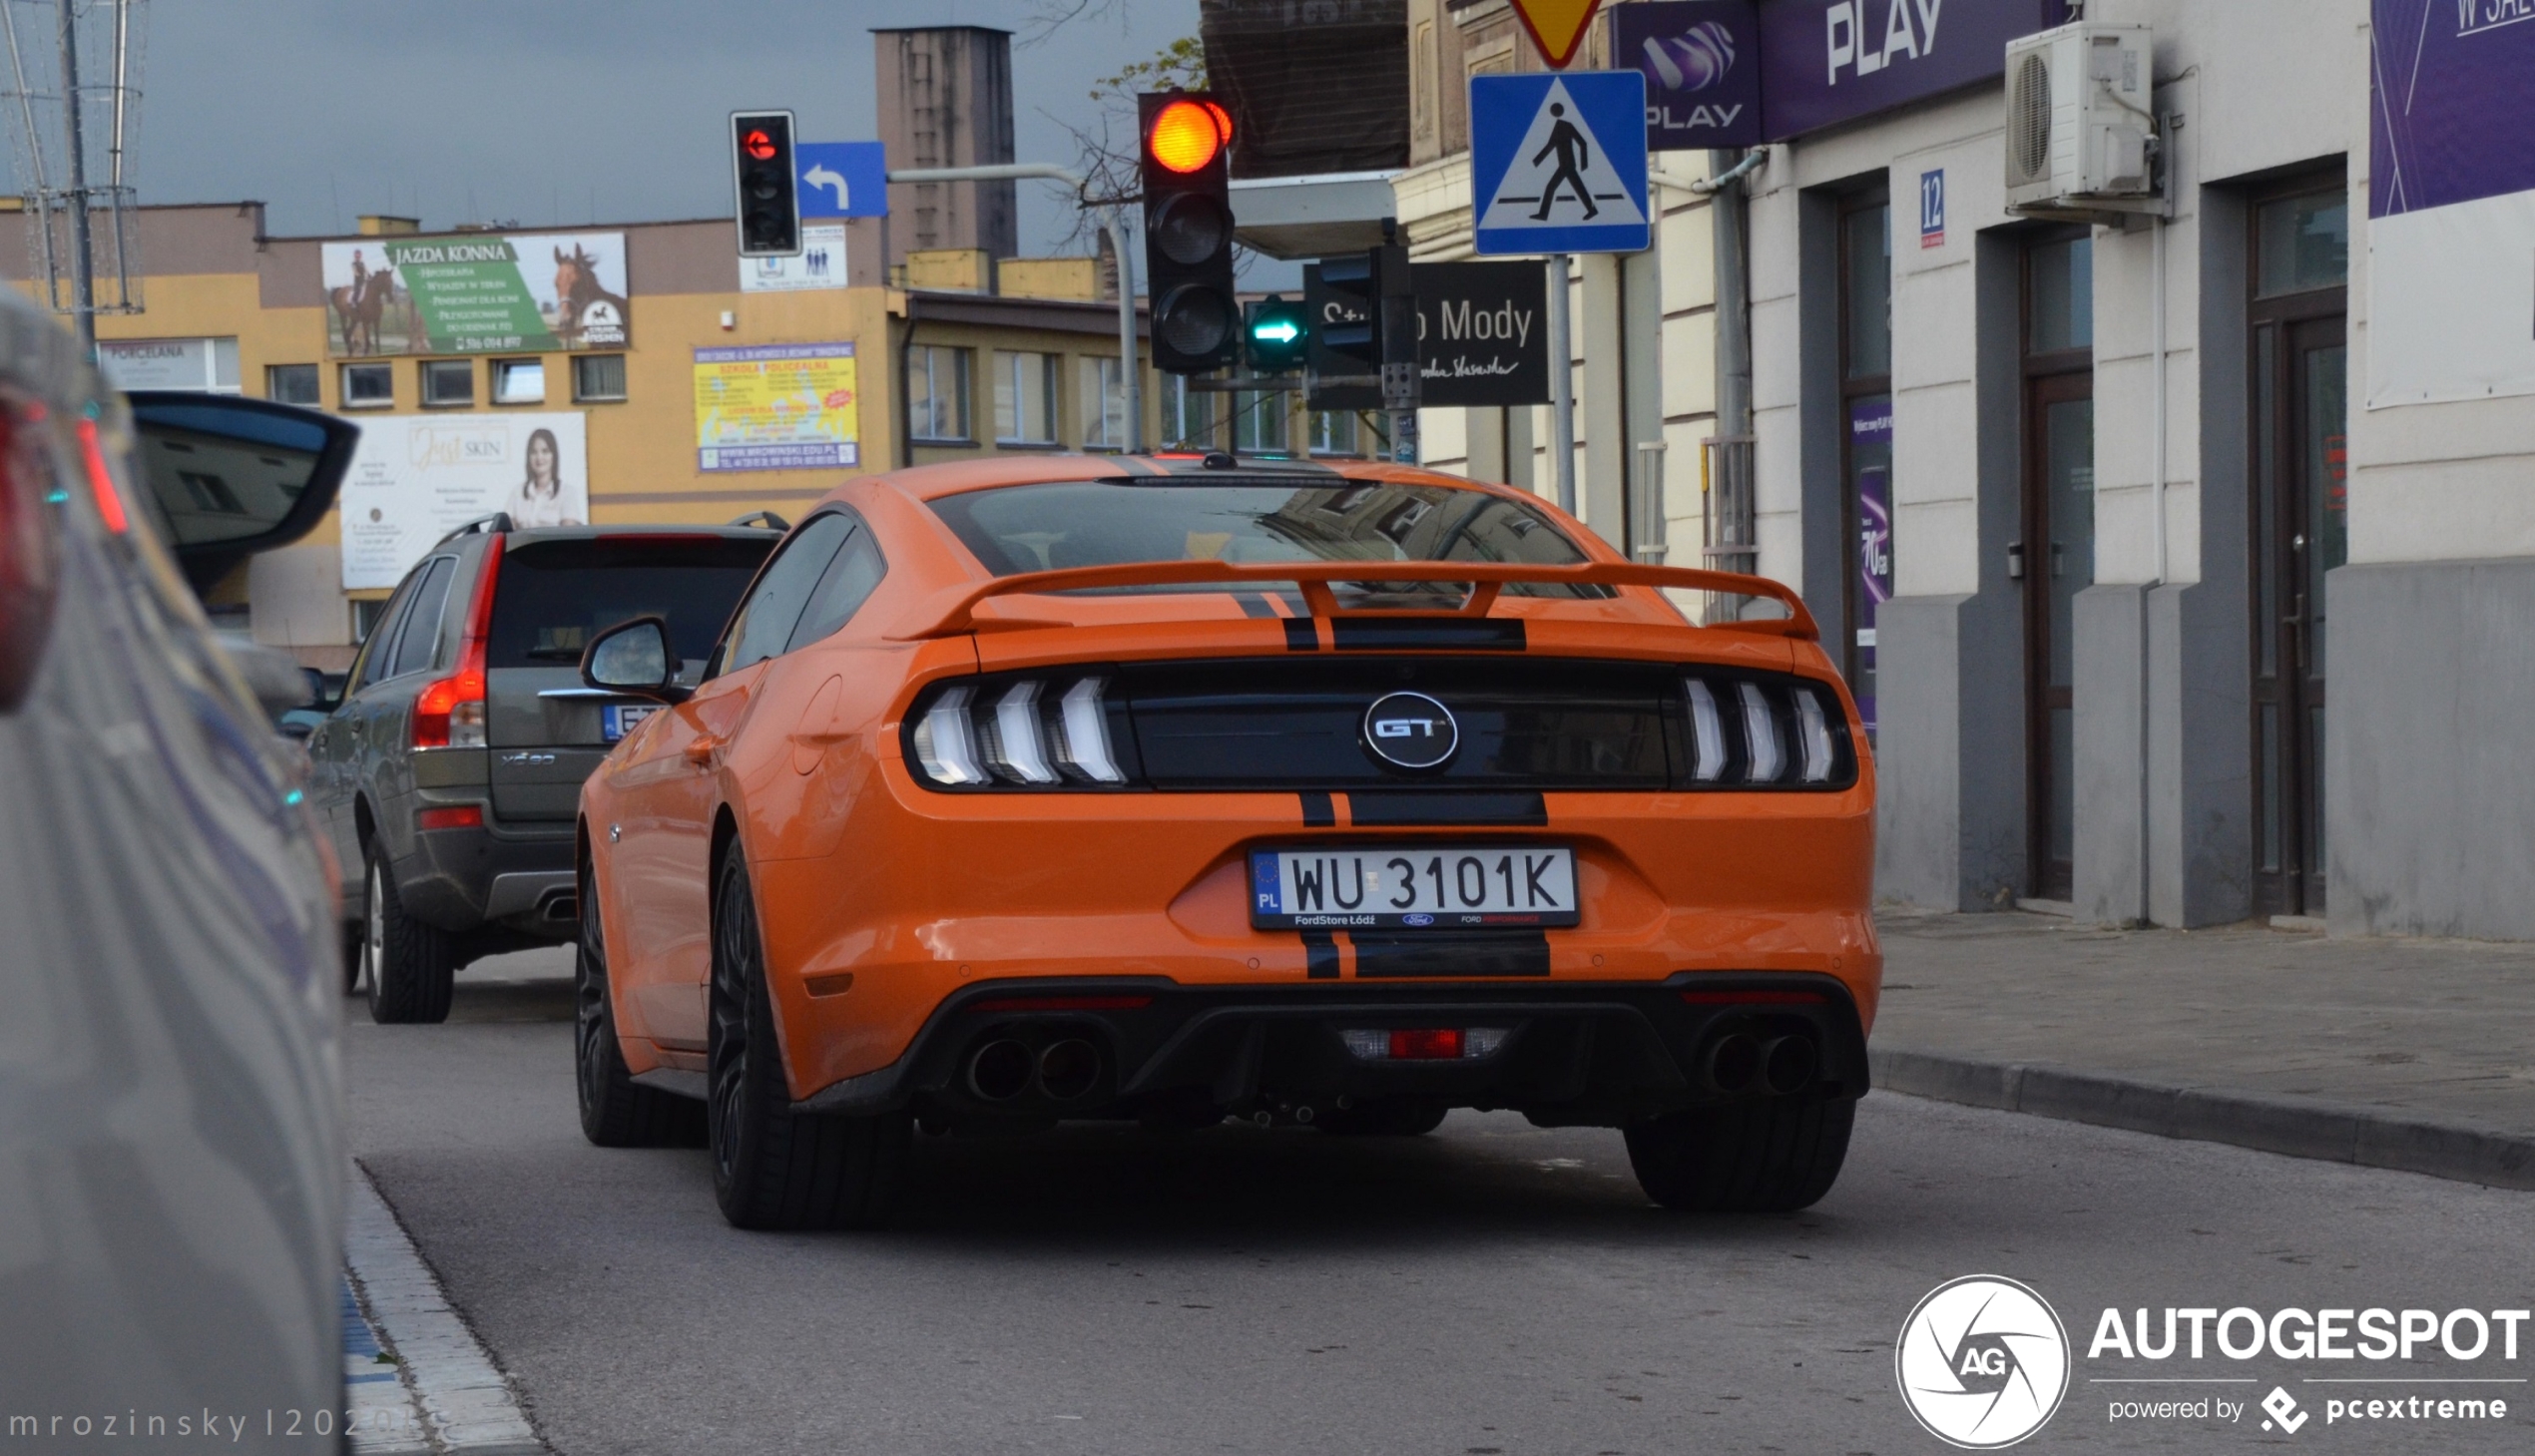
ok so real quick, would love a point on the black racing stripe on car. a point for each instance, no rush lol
(1301, 636)
(1499, 953)
(1388, 811)
(1255, 604)
(1321, 955)
(1319, 812)
(1401, 633)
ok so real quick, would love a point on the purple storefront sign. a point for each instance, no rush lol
(1829, 60)
(1701, 61)
(1869, 426)
(2454, 80)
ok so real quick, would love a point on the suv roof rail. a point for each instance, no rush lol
(498, 521)
(768, 519)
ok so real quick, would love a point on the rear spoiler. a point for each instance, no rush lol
(957, 612)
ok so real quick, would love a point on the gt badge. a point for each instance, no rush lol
(1410, 730)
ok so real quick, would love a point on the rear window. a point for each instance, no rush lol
(1051, 527)
(553, 596)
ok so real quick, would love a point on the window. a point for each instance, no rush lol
(1026, 528)
(1334, 432)
(1188, 416)
(208, 365)
(1104, 405)
(556, 595)
(2304, 244)
(447, 382)
(937, 393)
(291, 383)
(370, 386)
(380, 641)
(2062, 301)
(419, 644)
(1258, 422)
(519, 382)
(775, 607)
(598, 378)
(1025, 398)
(850, 579)
(368, 613)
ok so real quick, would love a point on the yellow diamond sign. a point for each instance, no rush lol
(1557, 27)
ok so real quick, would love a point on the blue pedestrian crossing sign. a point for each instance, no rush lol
(1558, 161)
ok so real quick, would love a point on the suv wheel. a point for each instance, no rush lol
(408, 965)
(616, 1112)
(773, 1168)
(1767, 1157)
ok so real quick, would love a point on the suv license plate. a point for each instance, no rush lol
(616, 720)
(1412, 887)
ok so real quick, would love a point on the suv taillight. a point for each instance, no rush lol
(449, 711)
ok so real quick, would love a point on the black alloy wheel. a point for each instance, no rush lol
(774, 1167)
(1765, 1156)
(410, 967)
(615, 1111)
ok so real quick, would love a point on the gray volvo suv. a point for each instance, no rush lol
(450, 770)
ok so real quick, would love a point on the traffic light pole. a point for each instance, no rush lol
(1130, 377)
(1562, 386)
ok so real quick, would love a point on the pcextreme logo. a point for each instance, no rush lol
(1982, 1362)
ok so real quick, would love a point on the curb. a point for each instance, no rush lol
(467, 1407)
(2329, 1131)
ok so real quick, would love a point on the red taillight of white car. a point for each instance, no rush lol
(449, 713)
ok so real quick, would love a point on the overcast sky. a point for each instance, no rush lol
(556, 110)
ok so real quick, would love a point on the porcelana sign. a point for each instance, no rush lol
(1827, 61)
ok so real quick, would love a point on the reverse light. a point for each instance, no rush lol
(449, 713)
(1424, 1044)
(1014, 749)
(1813, 732)
(1083, 734)
(1707, 733)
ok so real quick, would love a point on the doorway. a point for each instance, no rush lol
(2053, 558)
(2301, 363)
(1865, 399)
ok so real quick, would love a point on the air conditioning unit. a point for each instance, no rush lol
(2080, 129)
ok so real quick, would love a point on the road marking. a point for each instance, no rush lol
(466, 1404)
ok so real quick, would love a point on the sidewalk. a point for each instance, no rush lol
(2407, 1054)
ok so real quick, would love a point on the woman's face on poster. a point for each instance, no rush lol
(541, 459)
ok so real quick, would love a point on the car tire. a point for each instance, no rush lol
(773, 1168)
(615, 1111)
(1767, 1157)
(409, 966)
(1388, 1119)
(355, 940)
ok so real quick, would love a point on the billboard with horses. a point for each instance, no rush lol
(477, 293)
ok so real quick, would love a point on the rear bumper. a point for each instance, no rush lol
(1576, 1053)
(464, 879)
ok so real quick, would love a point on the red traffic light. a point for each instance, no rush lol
(758, 145)
(1186, 135)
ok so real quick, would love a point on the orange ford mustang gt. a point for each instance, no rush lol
(1027, 789)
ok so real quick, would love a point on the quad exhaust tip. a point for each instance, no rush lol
(1782, 1066)
(1000, 1069)
(1787, 1065)
(1732, 1063)
(1069, 1068)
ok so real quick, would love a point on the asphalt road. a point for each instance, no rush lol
(1490, 1289)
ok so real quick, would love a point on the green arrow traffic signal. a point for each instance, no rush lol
(1278, 333)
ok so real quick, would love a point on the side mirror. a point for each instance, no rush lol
(231, 476)
(633, 658)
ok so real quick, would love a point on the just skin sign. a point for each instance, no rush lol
(1702, 63)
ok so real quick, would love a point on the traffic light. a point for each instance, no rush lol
(1363, 311)
(761, 174)
(1188, 231)
(1278, 335)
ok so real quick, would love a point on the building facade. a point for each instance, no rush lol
(2082, 497)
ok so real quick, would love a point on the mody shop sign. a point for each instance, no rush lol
(1480, 334)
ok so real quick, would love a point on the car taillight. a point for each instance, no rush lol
(460, 816)
(1020, 733)
(1765, 732)
(449, 713)
(29, 560)
(1424, 1044)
